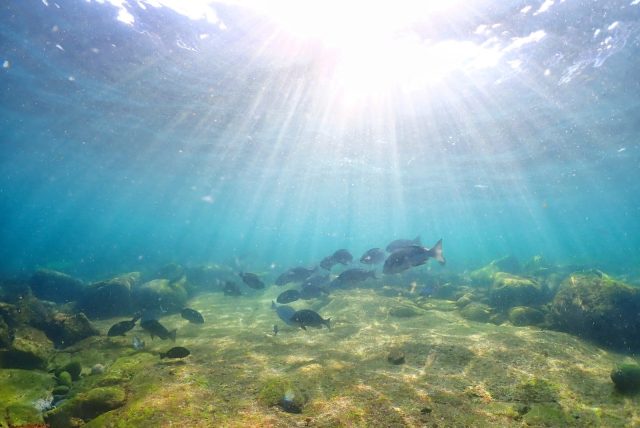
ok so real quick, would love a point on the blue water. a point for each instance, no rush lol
(125, 145)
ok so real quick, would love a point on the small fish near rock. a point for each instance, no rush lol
(308, 318)
(192, 316)
(175, 352)
(154, 328)
(251, 280)
(288, 296)
(120, 328)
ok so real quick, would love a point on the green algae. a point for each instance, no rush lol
(19, 392)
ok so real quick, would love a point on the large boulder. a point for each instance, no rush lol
(86, 406)
(486, 274)
(67, 329)
(160, 294)
(110, 298)
(55, 286)
(30, 349)
(597, 307)
(510, 290)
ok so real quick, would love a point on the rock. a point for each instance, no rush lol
(60, 390)
(173, 272)
(86, 406)
(67, 329)
(396, 356)
(209, 278)
(55, 286)
(485, 275)
(110, 298)
(626, 378)
(97, 369)
(464, 300)
(599, 308)
(160, 293)
(23, 393)
(510, 290)
(7, 334)
(476, 312)
(31, 349)
(74, 368)
(64, 378)
(524, 315)
(404, 312)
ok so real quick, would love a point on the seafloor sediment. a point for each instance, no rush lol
(455, 372)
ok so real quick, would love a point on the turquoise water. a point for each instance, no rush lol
(512, 128)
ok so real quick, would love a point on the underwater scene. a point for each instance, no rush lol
(287, 213)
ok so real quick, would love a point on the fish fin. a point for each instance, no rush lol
(416, 240)
(327, 322)
(172, 335)
(436, 252)
(273, 305)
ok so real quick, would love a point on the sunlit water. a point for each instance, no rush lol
(138, 133)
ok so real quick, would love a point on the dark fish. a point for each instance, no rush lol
(327, 263)
(341, 256)
(120, 328)
(175, 352)
(297, 274)
(231, 289)
(402, 243)
(192, 316)
(353, 276)
(373, 256)
(284, 312)
(156, 329)
(308, 318)
(312, 292)
(316, 281)
(408, 257)
(288, 296)
(252, 280)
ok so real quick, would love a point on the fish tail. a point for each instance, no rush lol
(172, 335)
(436, 252)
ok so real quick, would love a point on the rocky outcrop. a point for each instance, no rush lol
(55, 286)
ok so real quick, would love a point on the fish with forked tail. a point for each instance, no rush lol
(412, 256)
(154, 328)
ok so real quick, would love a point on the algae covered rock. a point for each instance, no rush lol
(171, 296)
(7, 334)
(31, 349)
(24, 394)
(626, 378)
(74, 368)
(599, 308)
(86, 406)
(67, 329)
(485, 275)
(173, 272)
(476, 312)
(110, 298)
(510, 290)
(55, 286)
(281, 392)
(524, 315)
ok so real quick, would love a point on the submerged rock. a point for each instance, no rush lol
(485, 275)
(67, 329)
(24, 394)
(160, 294)
(396, 356)
(599, 308)
(476, 312)
(524, 315)
(110, 298)
(31, 349)
(626, 378)
(86, 406)
(55, 286)
(510, 290)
